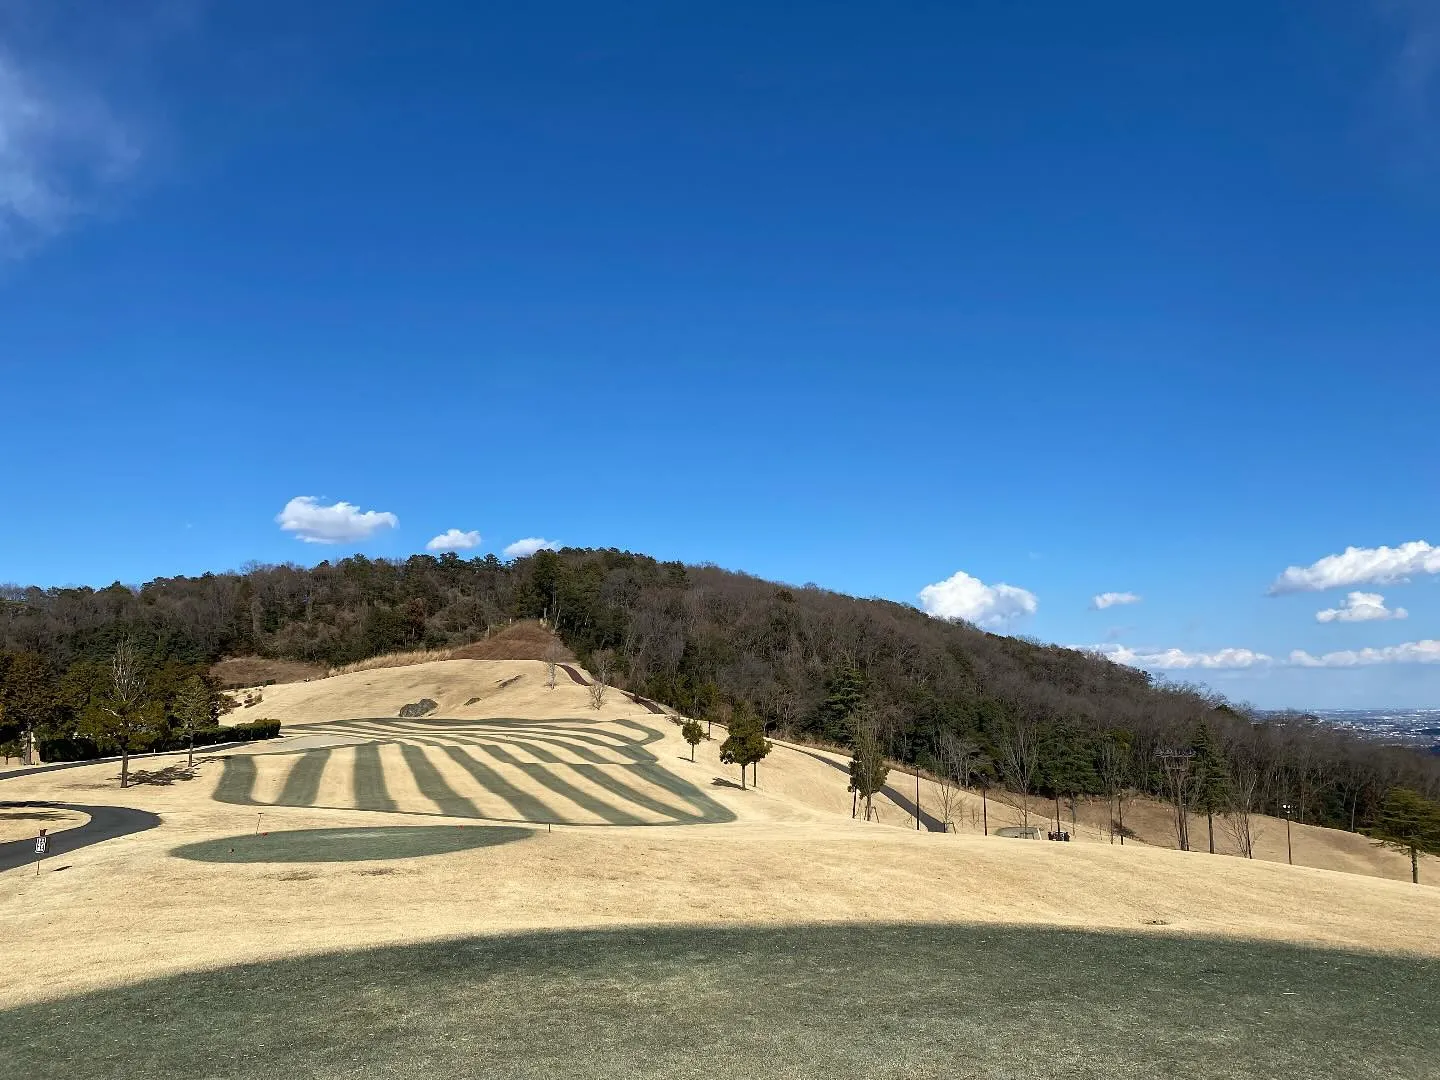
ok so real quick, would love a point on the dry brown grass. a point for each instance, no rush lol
(241, 671)
(392, 660)
(526, 640)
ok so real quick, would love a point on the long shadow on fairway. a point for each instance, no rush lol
(623, 783)
(835, 1002)
(350, 845)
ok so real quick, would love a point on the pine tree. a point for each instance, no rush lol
(867, 766)
(845, 697)
(1408, 822)
(746, 743)
(1211, 790)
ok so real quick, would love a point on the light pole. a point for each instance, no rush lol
(1289, 851)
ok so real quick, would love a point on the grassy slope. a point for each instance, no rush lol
(798, 1002)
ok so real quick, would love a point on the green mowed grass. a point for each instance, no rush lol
(831, 1002)
(350, 845)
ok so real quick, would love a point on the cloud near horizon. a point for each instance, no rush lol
(1112, 599)
(1360, 566)
(1180, 660)
(334, 524)
(1361, 607)
(529, 546)
(993, 607)
(1411, 652)
(454, 540)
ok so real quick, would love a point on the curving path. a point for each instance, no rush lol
(106, 823)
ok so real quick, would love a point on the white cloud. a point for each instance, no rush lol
(531, 544)
(454, 540)
(1180, 660)
(961, 596)
(1411, 652)
(1361, 607)
(1360, 566)
(316, 524)
(60, 149)
(1111, 599)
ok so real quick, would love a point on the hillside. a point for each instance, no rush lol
(535, 810)
(814, 666)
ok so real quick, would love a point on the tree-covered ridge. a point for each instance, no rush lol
(804, 661)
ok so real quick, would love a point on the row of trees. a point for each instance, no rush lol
(801, 662)
(125, 703)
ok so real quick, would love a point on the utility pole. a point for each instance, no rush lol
(1289, 851)
(917, 796)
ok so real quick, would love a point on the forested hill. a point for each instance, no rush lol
(707, 641)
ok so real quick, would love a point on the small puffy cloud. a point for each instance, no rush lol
(961, 596)
(1361, 607)
(454, 540)
(334, 524)
(1112, 599)
(1180, 660)
(1360, 566)
(531, 544)
(1411, 652)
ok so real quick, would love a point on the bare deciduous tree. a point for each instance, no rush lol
(121, 717)
(604, 664)
(553, 654)
(1019, 745)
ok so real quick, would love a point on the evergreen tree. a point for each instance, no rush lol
(867, 765)
(1408, 822)
(746, 743)
(693, 734)
(845, 695)
(1211, 790)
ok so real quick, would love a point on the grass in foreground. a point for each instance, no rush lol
(819, 1001)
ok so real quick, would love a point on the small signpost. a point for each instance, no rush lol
(41, 843)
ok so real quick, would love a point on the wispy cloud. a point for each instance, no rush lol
(529, 546)
(1361, 607)
(1411, 652)
(961, 596)
(1113, 599)
(62, 150)
(1360, 566)
(334, 524)
(1181, 660)
(454, 540)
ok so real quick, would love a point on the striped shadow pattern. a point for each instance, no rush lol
(519, 771)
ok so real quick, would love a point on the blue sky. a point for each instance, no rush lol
(1074, 299)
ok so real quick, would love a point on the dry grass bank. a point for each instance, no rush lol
(504, 746)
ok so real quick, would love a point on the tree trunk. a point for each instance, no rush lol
(985, 811)
(1210, 821)
(692, 752)
(190, 761)
(124, 766)
(1354, 798)
(27, 756)
(1414, 865)
(1120, 803)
